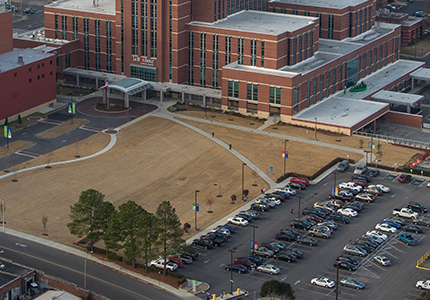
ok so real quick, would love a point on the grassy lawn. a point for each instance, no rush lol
(418, 50)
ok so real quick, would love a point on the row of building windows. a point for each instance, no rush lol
(234, 6)
(298, 52)
(38, 76)
(39, 66)
(144, 73)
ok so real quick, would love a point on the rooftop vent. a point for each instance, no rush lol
(20, 60)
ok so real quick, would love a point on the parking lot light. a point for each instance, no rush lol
(231, 269)
(243, 177)
(195, 210)
(253, 236)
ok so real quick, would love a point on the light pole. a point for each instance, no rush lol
(300, 200)
(231, 269)
(316, 124)
(253, 237)
(337, 280)
(195, 210)
(243, 177)
(367, 152)
(2, 211)
(334, 182)
(285, 154)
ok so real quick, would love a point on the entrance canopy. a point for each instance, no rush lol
(421, 74)
(130, 86)
(398, 98)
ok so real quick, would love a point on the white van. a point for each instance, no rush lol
(361, 169)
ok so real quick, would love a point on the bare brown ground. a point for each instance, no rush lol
(266, 151)
(154, 160)
(62, 128)
(14, 147)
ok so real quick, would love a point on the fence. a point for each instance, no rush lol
(422, 259)
(394, 140)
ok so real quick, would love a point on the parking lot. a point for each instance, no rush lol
(396, 281)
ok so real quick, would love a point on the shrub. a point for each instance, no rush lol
(113, 256)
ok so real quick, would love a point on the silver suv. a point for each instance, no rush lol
(263, 251)
(354, 250)
(320, 232)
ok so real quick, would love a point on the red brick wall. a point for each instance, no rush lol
(6, 32)
(405, 119)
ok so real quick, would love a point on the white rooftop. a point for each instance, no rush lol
(336, 4)
(421, 74)
(260, 22)
(9, 60)
(337, 111)
(57, 295)
(397, 98)
(101, 7)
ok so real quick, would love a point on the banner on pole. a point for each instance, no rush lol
(194, 207)
(7, 132)
(197, 207)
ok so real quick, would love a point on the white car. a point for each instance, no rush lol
(385, 228)
(351, 185)
(324, 205)
(378, 234)
(238, 221)
(287, 190)
(383, 188)
(274, 200)
(266, 201)
(324, 282)
(423, 284)
(428, 185)
(222, 230)
(348, 212)
(382, 260)
(365, 197)
(271, 269)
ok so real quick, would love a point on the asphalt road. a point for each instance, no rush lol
(71, 268)
(394, 282)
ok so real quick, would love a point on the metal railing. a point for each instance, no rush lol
(394, 140)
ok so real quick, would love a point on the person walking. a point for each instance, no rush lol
(213, 135)
(229, 147)
(291, 209)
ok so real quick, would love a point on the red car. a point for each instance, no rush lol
(360, 182)
(176, 260)
(313, 217)
(302, 180)
(246, 262)
(405, 178)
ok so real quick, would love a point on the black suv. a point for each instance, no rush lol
(300, 224)
(203, 243)
(259, 206)
(417, 207)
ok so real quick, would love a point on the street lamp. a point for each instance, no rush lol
(285, 154)
(243, 177)
(367, 152)
(334, 182)
(231, 269)
(2, 212)
(316, 124)
(253, 237)
(337, 280)
(195, 210)
(300, 200)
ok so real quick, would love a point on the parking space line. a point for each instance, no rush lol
(388, 253)
(363, 271)
(377, 265)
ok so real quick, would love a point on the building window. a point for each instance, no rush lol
(64, 27)
(370, 16)
(300, 47)
(227, 49)
(29, 69)
(202, 59)
(319, 15)
(306, 45)
(134, 27)
(321, 86)
(29, 80)
(365, 18)
(352, 72)
(355, 23)
(153, 28)
(350, 24)
(262, 54)
(360, 23)
(38, 77)
(364, 64)
(340, 76)
(50, 62)
(275, 95)
(57, 61)
(56, 25)
(307, 13)
(288, 51)
(67, 60)
(43, 75)
(190, 57)
(308, 96)
(328, 83)
(97, 44)
(296, 99)
(43, 65)
(295, 12)
(50, 73)
(294, 50)
(334, 80)
(252, 91)
(283, 10)
(253, 52)
(330, 26)
(144, 27)
(376, 58)
(386, 52)
(370, 61)
(86, 43)
(311, 43)
(396, 49)
(144, 73)
(240, 46)
(109, 46)
(215, 61)
(315, 89)
(380, 55)
(14, 74)
(233, 89)
(75, 27)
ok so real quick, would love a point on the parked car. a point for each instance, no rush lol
(386, 228)
(348, 259)
(392, 223)
(313, 210)
(320, 232)
(366, 247)
(176, 260)
(365, 197)
(259, 207)
(246, 262)
(324, 205)
(373, 173)
(375, 238)
(236, 268)
(269, 268)
(417, 207)
(254, 215)
(324, 282)
(345, 265)
(287, 190)
(341, 196)
(262, 251)
(413, 228)
(301, 180)
(285, 256)
(291, 231)
(193, 253)
(355, 205)
(360, 169)
(383, 188)
(329, 224)
(29, 10)
(407, 238)
(343, 166)
(377, 233)
(307, 241)
(423, 284)
(238, 221)
(372, 189)
(339, 218)
(348, 212)
(279, 244)
(247, 217)
(354, 250)
(360, 182)
(362, 177)
(422, 220)
(405, 178)
(300, 224)
(382, 260)
(313, 217)
(185, 258)
(257, 259)
(367, 240)
(285, 237)
(269, 246)
(296, 185)
(352, 191)
(159, 264)
(397, 220)
(352, 283)
(217, 241)
(350, 185)
(207, 244)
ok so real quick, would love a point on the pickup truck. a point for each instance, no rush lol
(405, 212)
(159, 264)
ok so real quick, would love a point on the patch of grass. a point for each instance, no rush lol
(419, 49)
(77, 91)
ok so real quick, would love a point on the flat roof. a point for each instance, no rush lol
(411, 21)
(57, 295)
(38, 34)
(421, 74)
(9, 60)
(104, 6)
(397, 98)
(131, 86)
(323, 3)
(338, 111)
(260, 22)
(11, 271)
